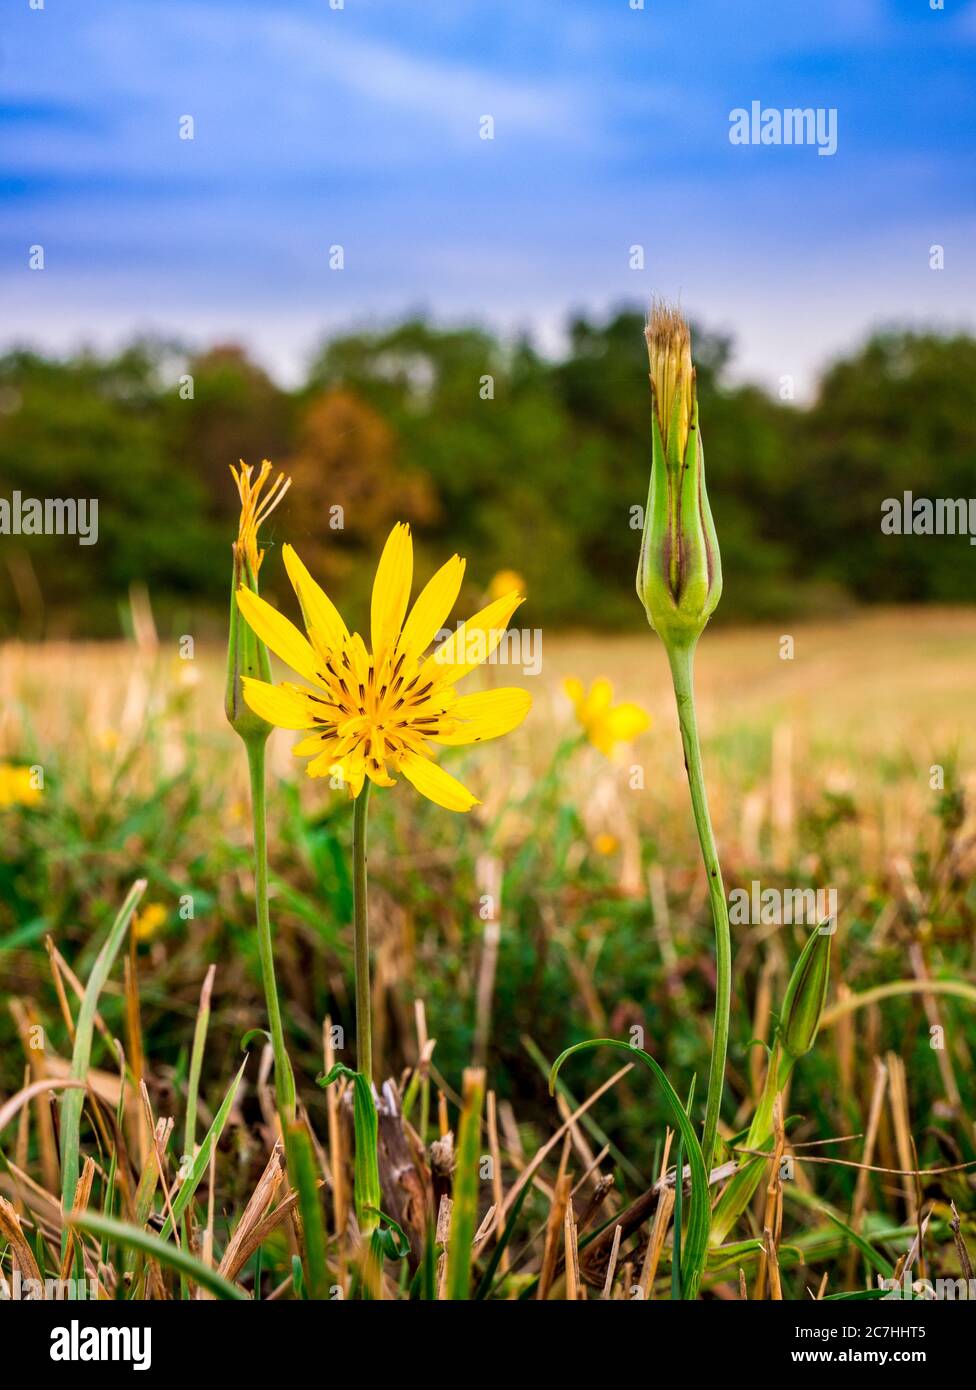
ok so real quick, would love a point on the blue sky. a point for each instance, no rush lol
(360, 127)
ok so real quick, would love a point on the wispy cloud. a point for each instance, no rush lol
(360, 126)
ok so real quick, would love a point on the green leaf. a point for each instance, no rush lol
(366, 1172)
(74, 1100)
(696, 1245)
(301, 1170)
(155, 1248)
(874, 1257)
(201, 1161)
(464, 1210)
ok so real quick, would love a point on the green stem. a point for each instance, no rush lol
(682, 674)
(284, 1078)
(364, 1024)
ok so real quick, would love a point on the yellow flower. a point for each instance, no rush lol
(605, 843)
(370, 711)
(147, 923)
(17, 786)
(504, 582)
(255, 509)
(245, 655)
(604, 723)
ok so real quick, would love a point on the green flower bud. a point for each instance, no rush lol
(679, 578)
(246, 653)
(806, 995)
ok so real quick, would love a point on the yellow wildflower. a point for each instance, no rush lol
(370, 711)
(146, 924)
(17, 786)
(245, 655)
(504, 582)
(604, 723)
(255, 509)
(606, 844)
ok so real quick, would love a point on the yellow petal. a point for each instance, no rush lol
(486, 714)
(279, 634)
(432, 607)
(379, 776)
(315, 744)
(322, 618)
(473, 642)
(288, 709)
(326, 764)
(391, 590)
(351, 769)
(354, 772)
(434, 783)
(625, 721)
(573, 687)
(598, 700)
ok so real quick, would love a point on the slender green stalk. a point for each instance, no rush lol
(364, 1022)
(284, 1078)
(682, 674)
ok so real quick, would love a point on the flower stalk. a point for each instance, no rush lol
(679, 582)
(247, 657)
(364, 1022)
(284, 1077)
(682, 675)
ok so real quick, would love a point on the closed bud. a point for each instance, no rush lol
(806, 995)
(679, 578)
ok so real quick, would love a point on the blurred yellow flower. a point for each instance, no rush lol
(369, 710)
(147, 923)
(605, 843)
(504, 582)
(604, 723)
(17, 786)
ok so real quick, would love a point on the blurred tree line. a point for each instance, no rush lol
(511, 458)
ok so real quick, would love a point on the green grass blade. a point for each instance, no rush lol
(484, 1288)
(71, 1106)
(464, 1213)
(301, 1170)
(133, 1238)
(201, 1161)
(696, 1246)
(874, 1257)
(679, 1192)
(196, 1063)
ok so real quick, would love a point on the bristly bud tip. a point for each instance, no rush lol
(672, 373)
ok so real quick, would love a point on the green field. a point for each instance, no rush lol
(822, 773)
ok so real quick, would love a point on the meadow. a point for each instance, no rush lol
(570, 904)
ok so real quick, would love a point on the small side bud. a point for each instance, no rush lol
(806, 995)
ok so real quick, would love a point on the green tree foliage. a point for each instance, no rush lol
(510, 457)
